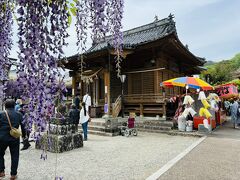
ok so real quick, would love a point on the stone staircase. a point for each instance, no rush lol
(155, 126)
(98, 126)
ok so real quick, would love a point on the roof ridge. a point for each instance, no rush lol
(138, 29)
(146, 26)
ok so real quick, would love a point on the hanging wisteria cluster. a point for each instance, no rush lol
(115, 16)
(5, 42)
(102, 17)
(42, 33)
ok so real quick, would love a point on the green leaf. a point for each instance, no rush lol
(76, 1)
(72, 4)
(4, 7)
(73, 11)
(49, 1)
(69, 19)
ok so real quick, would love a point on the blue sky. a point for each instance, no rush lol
(210, 27)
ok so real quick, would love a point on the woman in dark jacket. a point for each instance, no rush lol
(74, 115)
(6, 140)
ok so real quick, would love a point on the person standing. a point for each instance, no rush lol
(25, 133)
(87, 101)
(74, 115)
(76, 101)
(235, 114)
(84, 119)
(6, 140)
(18, 104)
(227, 106)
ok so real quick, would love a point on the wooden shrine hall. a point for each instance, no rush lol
(152, 53)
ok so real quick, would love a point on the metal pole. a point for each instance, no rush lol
(122, 98)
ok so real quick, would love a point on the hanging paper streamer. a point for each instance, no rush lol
(188, 111)
(188, 100)
(206, 125)
(213, 96)
(214, 105)
(204, 112)
(201, 95)
(205, 104)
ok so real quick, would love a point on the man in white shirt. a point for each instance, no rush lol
(87, 100)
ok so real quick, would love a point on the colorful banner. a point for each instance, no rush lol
(227, 91)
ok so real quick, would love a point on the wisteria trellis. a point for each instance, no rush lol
(102, 17)
(42, 31)
(5, 42)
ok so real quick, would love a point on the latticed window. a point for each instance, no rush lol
(143, 83)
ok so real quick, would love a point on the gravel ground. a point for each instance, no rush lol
(101, 157)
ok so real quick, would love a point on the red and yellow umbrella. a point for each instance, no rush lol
(191, 82)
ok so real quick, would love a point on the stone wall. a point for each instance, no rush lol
(61, 136)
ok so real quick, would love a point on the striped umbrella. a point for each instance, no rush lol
(191, 82)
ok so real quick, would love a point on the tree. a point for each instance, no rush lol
(223, 71)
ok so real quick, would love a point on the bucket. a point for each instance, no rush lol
(181, 123)
(189, 127)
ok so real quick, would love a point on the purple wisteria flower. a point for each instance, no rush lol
(5, 43)
(42, 34)
(102, 17)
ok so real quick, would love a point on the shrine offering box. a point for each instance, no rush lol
(199, 120)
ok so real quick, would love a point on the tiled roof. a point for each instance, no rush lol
(140, 35)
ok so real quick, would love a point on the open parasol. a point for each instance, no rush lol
(191, 82)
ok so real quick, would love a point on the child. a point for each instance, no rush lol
(131, 120)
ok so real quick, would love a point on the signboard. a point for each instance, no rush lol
(227, 91)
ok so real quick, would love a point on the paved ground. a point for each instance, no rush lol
(216, 158)
(107, 158)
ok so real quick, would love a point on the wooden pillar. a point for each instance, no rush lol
(107, 90)
(156, 83)
(74, 86)
(94, 92)
(164, 110)
(141, 110)
(97, 91)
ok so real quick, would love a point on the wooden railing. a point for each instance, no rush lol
(117, 106)
(144, 98)
(146, 103)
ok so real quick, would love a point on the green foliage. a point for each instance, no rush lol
(237, 82)
(223, 71)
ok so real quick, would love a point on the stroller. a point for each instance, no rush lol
(128, 129)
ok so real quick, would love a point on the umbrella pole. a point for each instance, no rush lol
(186, 88)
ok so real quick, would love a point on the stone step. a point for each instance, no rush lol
(97, 128)
(160, 123)
(101, 133)
(153, 127)
(97, 123)
(153, 130)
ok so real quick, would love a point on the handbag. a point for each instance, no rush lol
(14, 132)
(89, 120)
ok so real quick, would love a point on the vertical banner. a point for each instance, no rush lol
(105, 108)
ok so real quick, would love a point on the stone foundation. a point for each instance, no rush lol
(62, 136)
(60, 143)
(62, 129)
